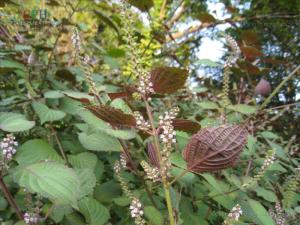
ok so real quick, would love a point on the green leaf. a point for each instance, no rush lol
(99, 141)
(208, 105)
(87, 181)
(177, 160)
(107, 191)
(208, 62)
(46, 114)
(143, 5)
(153, 215)
(121, 104)
(51, 180)
(266, 194)
(35, 150)
(242, 108)
(74, 219)
(269, 135)
(59, 211)
(14, 122)
(261, 213)
(94, 212)
(53, 94)
(83, 160)
(9, 64)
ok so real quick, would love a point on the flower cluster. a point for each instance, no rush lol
(141, 123)
(152, 173)
(269, 160)
(278, 216)
(8, 147)
(235, 51)
(234, 215)
(76, 39)
(137, 211)
(123, 160)
(167, 137)
(145, 86)
(31, 218)
(291, 188)
(165, 122)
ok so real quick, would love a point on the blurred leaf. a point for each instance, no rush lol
(250, 37)
(266, 194)
(208, 62)
(251, 52)
(94, 212)
(112, 115)
(208, 105)
(53, 94)
(87, 181)
(186, 125)
(14, 122)
(261, 213)
(143, 5)
(83, 160)
(106, 19)
(243, 108)
(99, 141)
(205, 17)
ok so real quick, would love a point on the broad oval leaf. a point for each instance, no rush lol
(51, 180)
(94, 212)
(215, 148)
(36, 150)
(46, 114)
(99, 141)
(167, 80)
(14, 122)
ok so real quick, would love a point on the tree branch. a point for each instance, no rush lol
(196, 28)
(178, 13)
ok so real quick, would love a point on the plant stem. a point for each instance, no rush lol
(10, 198)
(166, 184)
(62, 152)
(277, 89)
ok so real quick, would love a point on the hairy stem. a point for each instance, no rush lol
(157, 150)
(10, 198)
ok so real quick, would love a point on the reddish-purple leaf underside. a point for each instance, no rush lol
(112, 115)
(167, 80)
(186, 125)
(215, 148)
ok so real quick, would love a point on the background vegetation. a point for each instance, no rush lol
(69, 76)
